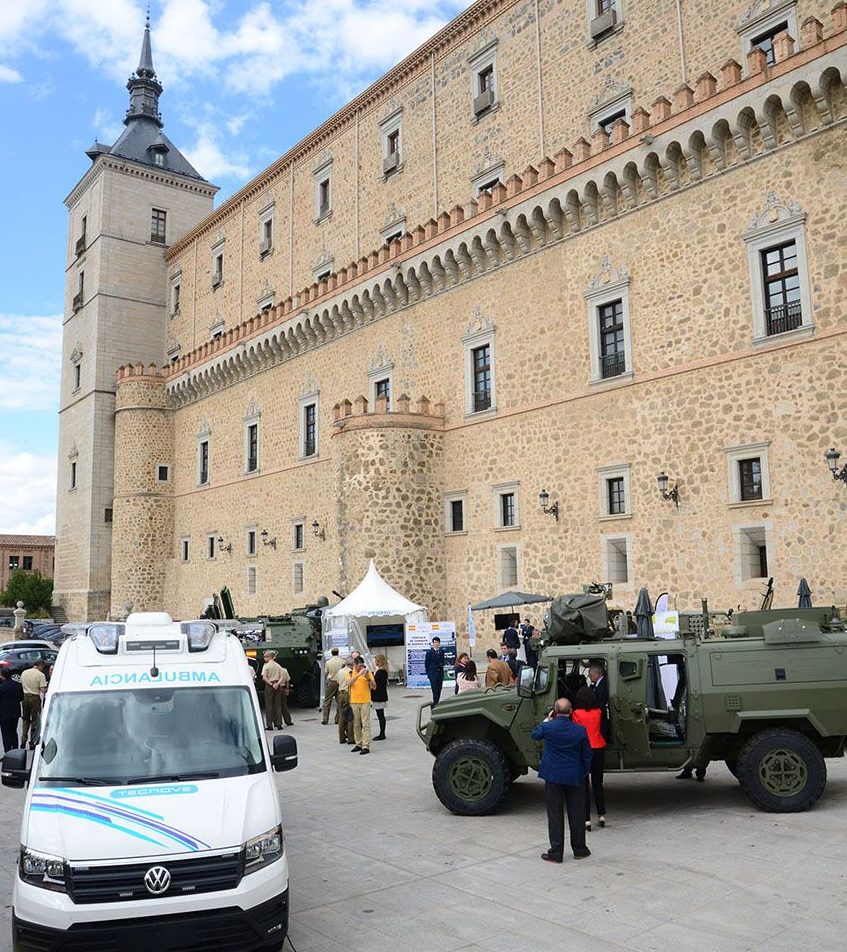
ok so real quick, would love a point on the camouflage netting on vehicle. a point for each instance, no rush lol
(576, 618)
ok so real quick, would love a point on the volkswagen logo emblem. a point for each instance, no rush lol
(157, 880)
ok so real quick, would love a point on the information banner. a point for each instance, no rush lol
(419, 641)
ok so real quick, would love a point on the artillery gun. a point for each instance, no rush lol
(763, 691)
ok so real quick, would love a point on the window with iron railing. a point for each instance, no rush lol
(481, 357)
(783, 309)
(612, 344)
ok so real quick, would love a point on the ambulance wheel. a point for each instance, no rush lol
(781, 771)
(471, 777)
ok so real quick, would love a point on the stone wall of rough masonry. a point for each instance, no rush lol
(550, 77)
(142, 535)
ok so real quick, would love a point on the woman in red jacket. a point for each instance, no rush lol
(587, 713)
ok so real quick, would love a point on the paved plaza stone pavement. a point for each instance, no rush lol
(378, 865)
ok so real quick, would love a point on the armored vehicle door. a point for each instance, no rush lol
(628, 709)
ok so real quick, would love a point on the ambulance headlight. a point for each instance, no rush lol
(105, 637)
(262, 850)
(199, 634)
(40, 869)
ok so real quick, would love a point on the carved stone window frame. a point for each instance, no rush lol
(606, 473)
(611, 284)
(488, 174)
(218, 252)
(252, 417)
(600, 113)
(307, 399)
(323, 173)
(590, 16)
(265, 215)
(449, 498)
(175, 293)
(480, 332)
(777, 224)
(478, 62)
(763, 16)
(734, 456)
(387, 127)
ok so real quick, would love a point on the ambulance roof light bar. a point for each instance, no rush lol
(105, 636)
(199, 634)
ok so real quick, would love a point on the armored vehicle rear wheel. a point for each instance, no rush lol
(471, 777)
(307, 691)
(781, 771)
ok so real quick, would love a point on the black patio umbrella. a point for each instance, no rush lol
(805, 594)
(644, 616)
(510, 600)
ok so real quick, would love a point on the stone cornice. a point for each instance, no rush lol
(128, 167)
(406, 71)
(561, 198)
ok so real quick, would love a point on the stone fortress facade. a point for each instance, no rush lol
(566, 245)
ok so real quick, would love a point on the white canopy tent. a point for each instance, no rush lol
(345, 624)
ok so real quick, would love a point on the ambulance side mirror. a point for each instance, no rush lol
(15, 772)
(284, 756)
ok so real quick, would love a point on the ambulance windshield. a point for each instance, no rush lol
(150, 736)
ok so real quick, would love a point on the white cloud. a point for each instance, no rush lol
(28, 500)
(30, 355)
(107, 128)
(209, 158)
(9, 75)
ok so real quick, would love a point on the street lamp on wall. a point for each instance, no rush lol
(318, 531)
(832, 456)
(672, 494)
(544, 499)
(266, 540)
(224, 546)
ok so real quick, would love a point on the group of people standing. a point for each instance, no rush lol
(357, 691)
(22, 700)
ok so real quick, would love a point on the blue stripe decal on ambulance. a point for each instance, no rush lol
(93, 818)
(106, 810)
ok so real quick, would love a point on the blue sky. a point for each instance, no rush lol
(243, 79)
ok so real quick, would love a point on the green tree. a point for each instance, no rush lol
(31, 588)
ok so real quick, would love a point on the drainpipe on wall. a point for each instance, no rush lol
(681, 42)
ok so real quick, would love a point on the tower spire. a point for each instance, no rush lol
(144, 88)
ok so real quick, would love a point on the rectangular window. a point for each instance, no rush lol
(210, 547)
(163, 473)
(603, 6)
(783, 310)
(27, 563)
(323, 197)
(80, 292)
(176, 293)
(251, 541)
(218, 269)
(507, 509)
(616, 495)
(488, 186)
(753, 553)
(607, 122)
(14, 562)
(322, 276)
(266, 241)
(750, 478)
(393, 142)
(457, 515)
(73, 475)
(485, 79)
(508, 566)
(765, 41)
(252, 448)
(203, 462)
(310, 430)
(251, 580)
(157, 226)
(617, 561)
(612, 341)
(108, 515)
(299, 536)
(481, 357)
(184, 549)
(81, 241)
(382, 388)
(77, 376)
(298, 577)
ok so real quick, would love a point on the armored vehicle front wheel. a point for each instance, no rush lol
(471, 777)
(781, 771)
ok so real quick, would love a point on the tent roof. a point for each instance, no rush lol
(373, 597)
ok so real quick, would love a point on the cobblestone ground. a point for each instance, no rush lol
(378, 865)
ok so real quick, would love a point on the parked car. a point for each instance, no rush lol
(47, 630)
(16, 660)
(7, 621)
(12, 645)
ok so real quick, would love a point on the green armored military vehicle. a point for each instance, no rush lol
(295, 637)
(764, 693)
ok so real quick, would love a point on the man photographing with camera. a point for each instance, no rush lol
(360, 683)
(565, 763)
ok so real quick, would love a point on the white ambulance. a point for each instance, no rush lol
(152, 821)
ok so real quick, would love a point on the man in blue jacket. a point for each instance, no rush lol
(565, 763)
(434, 667)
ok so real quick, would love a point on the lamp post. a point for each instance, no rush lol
(672, 494)
(224, 546)
(318, 531)
(266, 540)
(544, 499)
(832, 455)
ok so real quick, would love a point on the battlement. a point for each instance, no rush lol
(358, 415)
(290, 319)
(138, 372)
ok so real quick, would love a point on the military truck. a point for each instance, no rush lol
(765, 693)
(295, 637)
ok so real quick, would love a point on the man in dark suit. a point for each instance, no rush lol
(511, 639)
(600, 687)
(565, 763)
(434, 667)
(11, 695)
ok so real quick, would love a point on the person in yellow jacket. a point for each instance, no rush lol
(360, 683)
